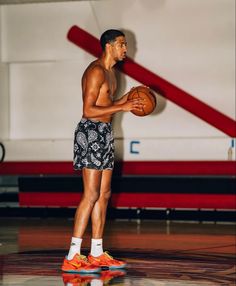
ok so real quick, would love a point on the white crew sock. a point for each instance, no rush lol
(75, 247)
(96, 282)
(96, 247)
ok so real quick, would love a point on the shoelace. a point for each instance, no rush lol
(108, 255)
(82, 257)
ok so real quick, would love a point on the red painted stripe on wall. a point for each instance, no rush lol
(173, 200)
(126, 168)
(207, 113)
(139, 200)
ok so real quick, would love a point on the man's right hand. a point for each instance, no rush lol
(134, 104)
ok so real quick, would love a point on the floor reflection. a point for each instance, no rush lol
(144, 268)
(31, 253)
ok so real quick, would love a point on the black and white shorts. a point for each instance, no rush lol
(93, 145)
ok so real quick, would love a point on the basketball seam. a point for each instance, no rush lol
(142, 107)
(153, 105)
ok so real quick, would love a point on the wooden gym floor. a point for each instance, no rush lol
(158, 253)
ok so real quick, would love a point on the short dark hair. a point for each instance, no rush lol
(110, 36)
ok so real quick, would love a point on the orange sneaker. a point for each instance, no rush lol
(106, 261)
(78, 279)
(108, 275)
(79, 264)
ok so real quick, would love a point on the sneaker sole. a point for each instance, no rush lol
(83, 271)
(113, 267)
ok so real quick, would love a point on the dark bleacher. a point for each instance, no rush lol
(134, 193)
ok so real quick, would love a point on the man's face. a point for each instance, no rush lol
(119, 48)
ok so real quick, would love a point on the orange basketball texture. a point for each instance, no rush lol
(150, 100)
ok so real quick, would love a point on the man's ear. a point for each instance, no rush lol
(108, 45)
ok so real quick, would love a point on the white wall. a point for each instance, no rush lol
(4, 92)
(4, 102)
(188, 42)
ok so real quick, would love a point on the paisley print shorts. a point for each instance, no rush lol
(93, 145)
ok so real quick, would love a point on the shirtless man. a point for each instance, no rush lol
(94, 153)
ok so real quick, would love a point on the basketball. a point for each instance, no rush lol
(144, 93)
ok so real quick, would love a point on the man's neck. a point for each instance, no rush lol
(107, 61)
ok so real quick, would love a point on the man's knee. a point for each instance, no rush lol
(106, 194)
(92, 197)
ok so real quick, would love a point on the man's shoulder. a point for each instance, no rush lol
(94, 70)
(96, 67)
